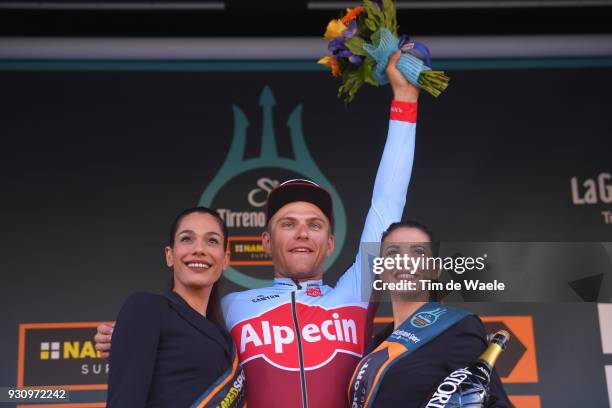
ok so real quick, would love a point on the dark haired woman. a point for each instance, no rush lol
(172, 350)
(425, 342)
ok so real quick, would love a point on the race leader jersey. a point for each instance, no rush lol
(299, 343)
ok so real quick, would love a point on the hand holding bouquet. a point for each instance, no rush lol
(361, 43)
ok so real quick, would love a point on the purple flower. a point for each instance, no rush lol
(355, 59)
(351, 30)
(416, 49)
(404, 39)
(338, 47)
(336, 44)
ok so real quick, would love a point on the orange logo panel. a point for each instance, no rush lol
(518, 363)
(52, 355)
(525, 401)
(247, 251)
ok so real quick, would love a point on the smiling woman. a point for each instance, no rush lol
(189, 265)
(172, 350)
(426, 341)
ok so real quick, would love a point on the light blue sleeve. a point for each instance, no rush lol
(388, 200)
(226, 303)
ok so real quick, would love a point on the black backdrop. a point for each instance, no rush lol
(95, 164)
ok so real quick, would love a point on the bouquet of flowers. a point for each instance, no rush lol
(361, 43)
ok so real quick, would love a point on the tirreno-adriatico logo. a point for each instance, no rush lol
(426, 318)
(240, 188)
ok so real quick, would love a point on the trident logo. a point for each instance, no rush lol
(427, 318)
(304, 164)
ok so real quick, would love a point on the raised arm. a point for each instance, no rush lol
(393, 175)
(395, 168)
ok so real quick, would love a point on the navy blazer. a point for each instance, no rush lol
(410, 380)
(164, 353)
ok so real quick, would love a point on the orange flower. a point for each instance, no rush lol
(332, 63)
(351, 14)
(335, 68)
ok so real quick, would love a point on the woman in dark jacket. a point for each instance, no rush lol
(426, 341)
(172, 350)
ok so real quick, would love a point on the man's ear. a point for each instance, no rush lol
(169, 257)
(331, 241)
(265, 240)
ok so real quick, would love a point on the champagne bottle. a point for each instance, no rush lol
(469, 387)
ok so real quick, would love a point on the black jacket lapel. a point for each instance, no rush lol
(203, 325)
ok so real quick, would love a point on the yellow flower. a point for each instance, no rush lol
(334, 29)
(332, 63)
(325, 61)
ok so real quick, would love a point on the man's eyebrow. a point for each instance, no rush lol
(291, 218)
(424, 245)
(315, 219)
(412, 244)
(287, 217)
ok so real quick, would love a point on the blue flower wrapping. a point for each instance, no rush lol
(409, 65)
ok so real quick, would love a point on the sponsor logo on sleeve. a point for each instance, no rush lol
(261, 298)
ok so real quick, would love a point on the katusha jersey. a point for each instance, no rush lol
(300, 342)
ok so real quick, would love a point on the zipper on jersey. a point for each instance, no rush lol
(298, 336)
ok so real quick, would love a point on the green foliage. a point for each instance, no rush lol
(390, 16)
(362, 29)
(352, 80)
(371, 24)
(367, 67)
(355, 45)
(374, 14)
(433, 82)
(375, 39)
(350, 85)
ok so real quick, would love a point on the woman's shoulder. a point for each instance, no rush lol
(470, 326)
(143, 302)
(141, 313)
(467, 337)
(145, 297)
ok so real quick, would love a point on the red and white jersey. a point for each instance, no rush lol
(299, 343)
